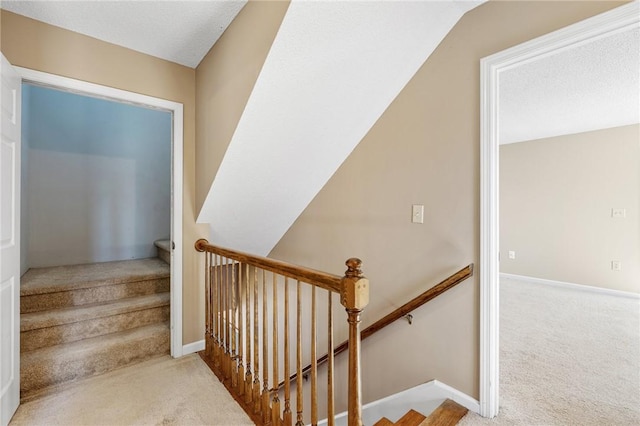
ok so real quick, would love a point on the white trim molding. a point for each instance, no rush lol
(572, 286)
(623, 18)
(423, 398)
(176, 109)
(194, 347)
(454, 394)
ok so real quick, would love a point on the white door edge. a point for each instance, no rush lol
(10, 171)
(619, 19)
(177, 111)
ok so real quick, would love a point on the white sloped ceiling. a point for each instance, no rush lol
(333, 69)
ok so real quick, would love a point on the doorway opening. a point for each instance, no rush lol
(152, 105)
(615, 21)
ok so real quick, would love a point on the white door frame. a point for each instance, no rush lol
(10, 241)
(176, 109)
(620, 19)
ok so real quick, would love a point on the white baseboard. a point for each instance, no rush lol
(193, 347)
(424, 398)
(454, 394)
(572, 286)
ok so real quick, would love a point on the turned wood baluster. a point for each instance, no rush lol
(248, 379)
(227, 312)
(220, 345)
(330, 387)
(216, 292)
(256, 348)
(287, 416)
(232, 314)
(223, 319)
(314, 360)
(212, 307)
(275, 400)
(240, 341)
(266, 412)
(354, 296)
(207, 305)
(299, 396)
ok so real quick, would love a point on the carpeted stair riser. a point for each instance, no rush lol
(163, 248)
(63, 363)
(164, 255)
(66, 333)
(83, 320)
(75, 297)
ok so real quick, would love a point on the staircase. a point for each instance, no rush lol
(448, 413)
(83, 320)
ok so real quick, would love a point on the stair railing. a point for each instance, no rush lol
(402, 312)
(241, 290)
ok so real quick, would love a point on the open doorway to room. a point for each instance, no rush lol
(101, 202)
(564, 219)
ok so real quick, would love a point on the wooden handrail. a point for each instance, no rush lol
(321, 279)
(400, 312)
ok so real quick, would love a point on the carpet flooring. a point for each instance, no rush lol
(566, 358)
(162, 391)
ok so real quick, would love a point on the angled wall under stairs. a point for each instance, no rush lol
(83, 320)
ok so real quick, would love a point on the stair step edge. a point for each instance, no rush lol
(70, 315)
(54, 368)
(33, 282)
(93, 344)
(449, 413)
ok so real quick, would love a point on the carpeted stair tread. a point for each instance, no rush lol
(67, 362)
(66, 278)
(85, 296)
(55, 317)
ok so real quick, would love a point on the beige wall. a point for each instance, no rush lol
(39, 46)
(556, 197)
(423, 150)
(225, 79)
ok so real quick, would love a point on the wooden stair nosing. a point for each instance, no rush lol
(411, 418)
(384, 422)
(449, 413)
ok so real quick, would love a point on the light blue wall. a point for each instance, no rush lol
(98, 178)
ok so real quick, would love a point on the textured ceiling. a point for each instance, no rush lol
(589, 87)
(178, 31)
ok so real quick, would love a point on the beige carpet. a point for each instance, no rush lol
(162, 391)
(566, 358)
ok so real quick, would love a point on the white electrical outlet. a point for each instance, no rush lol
(619, 213)
(417, 213)
(512, 254)
(616, 265)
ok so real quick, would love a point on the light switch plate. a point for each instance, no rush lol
(417, 213)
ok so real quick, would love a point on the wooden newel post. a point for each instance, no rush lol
(354, 297)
